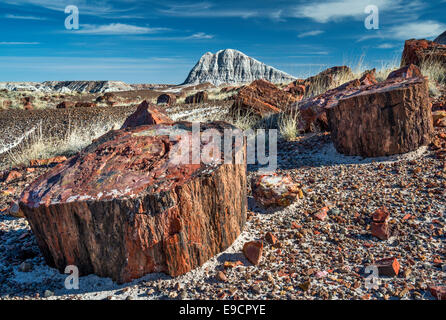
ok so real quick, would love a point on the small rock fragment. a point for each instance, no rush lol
(253, 251)
(389, 267)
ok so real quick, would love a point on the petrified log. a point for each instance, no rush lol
(146, 114)
(167, 98)
(312, 111)
(199, 97)
(418, 51)
(392, 117)
(125, 206)
(262, 98)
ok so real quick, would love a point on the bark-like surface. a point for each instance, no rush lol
(392, 117)
(124, 207)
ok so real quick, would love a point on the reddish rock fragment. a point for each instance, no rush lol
(47, 162)
(125, 206)
(379, 226)
(406, 72)
(65, 105)
(146, 114)
(388, 267)
(253, 251)
(439, 118)
(13, 175)
(232, 264)
(262, 98)
(273, 190)
(322, 214)
(271, 238)
(438, 292)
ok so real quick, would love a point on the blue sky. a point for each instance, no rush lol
(159, 41)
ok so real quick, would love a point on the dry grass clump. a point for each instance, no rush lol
(38, 145)
(386, 68)
(288, 125)
(436, 73)
(243, 120)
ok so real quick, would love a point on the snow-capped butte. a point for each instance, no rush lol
(233, 67)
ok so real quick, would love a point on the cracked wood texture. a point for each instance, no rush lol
(122, 208)
(392, 117)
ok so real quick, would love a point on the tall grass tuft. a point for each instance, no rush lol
(38, 145)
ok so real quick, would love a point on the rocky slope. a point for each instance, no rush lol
(232, 67)
(67, 86)
(441, 38)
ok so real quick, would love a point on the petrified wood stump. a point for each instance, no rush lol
(389, 118)
(124, 207)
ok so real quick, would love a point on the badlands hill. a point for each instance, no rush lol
(67, 86)
(441, 38)
(232, 67)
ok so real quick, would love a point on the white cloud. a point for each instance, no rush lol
(117, 29)
(13, 16)
(208, 10)
(18, 43)
(195, 36)
(386, 46)
(334, 10)
(102, 8)
(310, 33)
(201, 35)
(417, 30)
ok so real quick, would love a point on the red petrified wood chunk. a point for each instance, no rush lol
(273, 190)
(262, 98)
(322, 214)
(146, 114)
(379, 226)
(438, 292)
(13, 175)
(270, 238)
(313, 110)
(127, 206)
(407, 72)
(418, 51)
(388, 267)
(253, 251)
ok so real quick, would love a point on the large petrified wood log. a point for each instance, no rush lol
(392, 117)
(124, 207)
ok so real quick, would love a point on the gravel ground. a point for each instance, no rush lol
(313, 259)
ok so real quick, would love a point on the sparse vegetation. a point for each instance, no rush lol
(436, 73)
(288, 124)
(386, 68)
(38, 145)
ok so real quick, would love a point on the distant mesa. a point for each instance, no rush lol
(441, 38)
(233, 67)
